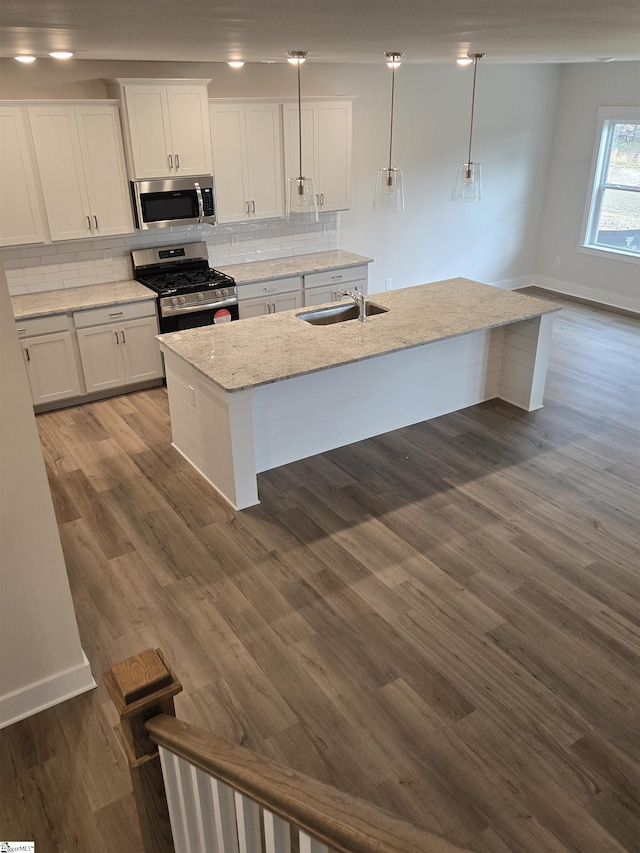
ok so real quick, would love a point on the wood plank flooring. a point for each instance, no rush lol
(444, 620)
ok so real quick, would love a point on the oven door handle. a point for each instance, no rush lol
(172, 311)
(200, 203)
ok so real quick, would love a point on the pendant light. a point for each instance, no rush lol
(389, 193)
(468, 184)
(302, 202)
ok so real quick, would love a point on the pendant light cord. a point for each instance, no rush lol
(393, 86)
(299, 126)
(473, 104)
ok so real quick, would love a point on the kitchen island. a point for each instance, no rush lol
(250, 396)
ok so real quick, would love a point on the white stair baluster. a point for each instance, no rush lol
(248, 820)
(218, 815)
(310, 845)
(277, 834)
(172, 785)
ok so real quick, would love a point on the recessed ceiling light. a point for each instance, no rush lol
(25, 58)
(61, 54)
(235, 63)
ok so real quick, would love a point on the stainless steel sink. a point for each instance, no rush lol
(338, 314)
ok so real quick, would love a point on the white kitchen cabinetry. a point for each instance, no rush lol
(321, 287)
(247, 160)
(21, 219)
(49, 354)
(168, 127)
(118, 345)
(81, 163)
(269, 297)
(326, 149)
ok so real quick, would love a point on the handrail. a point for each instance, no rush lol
(344, 823)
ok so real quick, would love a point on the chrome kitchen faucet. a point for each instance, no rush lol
(359, 298)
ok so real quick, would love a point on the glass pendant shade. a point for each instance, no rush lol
(389, 193)
(468, 183)
(302, 201)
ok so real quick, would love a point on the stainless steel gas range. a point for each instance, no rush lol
(191, 293)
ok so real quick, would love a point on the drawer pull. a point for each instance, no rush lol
(116, 314)
(20, 330)
(336, 277)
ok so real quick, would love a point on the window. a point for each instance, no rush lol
(612, 219)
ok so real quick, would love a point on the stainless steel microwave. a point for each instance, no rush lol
(174, 201)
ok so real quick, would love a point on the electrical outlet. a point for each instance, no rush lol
(388, 284)
(556, 261)
(192, 391)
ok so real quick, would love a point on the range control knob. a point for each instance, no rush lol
(218, 293)
(225, 292)
(181, 300)
(174, 301)
(201, 296)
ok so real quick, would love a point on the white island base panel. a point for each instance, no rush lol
(230, 437)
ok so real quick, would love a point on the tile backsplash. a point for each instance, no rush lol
(31, 269)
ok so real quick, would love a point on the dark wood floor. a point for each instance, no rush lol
(443, 620)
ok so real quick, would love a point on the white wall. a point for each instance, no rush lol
(583, 88)
(41, 659)
(494, 241)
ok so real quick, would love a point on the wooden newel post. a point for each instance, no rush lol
(142, 687)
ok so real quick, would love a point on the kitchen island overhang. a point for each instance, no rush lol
(259, 393)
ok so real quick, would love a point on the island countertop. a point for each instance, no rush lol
(262, 350)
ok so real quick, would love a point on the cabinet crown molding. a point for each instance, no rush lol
(63, 102)
(153, 81)
(281, 99)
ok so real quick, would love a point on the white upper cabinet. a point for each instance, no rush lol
(326, 149)
(21, 219)
(247, 158)
(168, 128)
(81, 163)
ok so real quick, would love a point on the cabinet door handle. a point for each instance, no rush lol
(273, 305)
(248, 207)
(117, 338)
(124, 340)
(321, 199)
(317, 199)
(170, 160)
(177, 161)
(26, 352)
(253, 207)
(268, 308)
(95, 219)
(88, 223)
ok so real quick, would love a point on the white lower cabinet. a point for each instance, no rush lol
(321, 287)
(118, 354)
(50, 357)
(51, 366)
(269, 297)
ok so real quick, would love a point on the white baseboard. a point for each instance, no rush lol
(514, 283)
(603, 297)
(44, 694)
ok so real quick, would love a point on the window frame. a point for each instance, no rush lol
(597, 185)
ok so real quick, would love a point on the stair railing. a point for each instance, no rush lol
(197, 793)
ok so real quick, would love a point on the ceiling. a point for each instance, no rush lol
(331, 30)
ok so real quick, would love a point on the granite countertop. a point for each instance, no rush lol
(298, 265)
(77, 298)
(261, 350)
